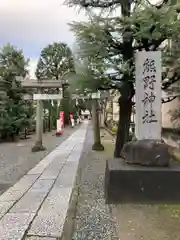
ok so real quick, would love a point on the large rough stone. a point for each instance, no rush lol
(146, 153)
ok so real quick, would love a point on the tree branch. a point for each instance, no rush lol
(94, 3)
(169, 99)
(171, 81)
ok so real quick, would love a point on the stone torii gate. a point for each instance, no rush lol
(40, 85)
(94, 97)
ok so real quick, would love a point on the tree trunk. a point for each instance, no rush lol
(127, 89)
(96, 128)
(123, 125)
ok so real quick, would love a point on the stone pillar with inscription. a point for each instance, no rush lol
(142, 174)
(147, 149)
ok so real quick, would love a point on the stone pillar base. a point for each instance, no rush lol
(97, 147)
(146, 153)
(38, 147)
(127, 183)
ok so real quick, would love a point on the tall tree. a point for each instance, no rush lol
(56, 60)
(140, 26)
(16, 113)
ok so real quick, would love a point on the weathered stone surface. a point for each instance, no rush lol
(42, 185)
(11, 195)
(65, 179)
(4, 207)
(29, 203)
(52, 171)
(39, 238)
(13, 226)
(128, 183)
(146, 153)
(18, 190)
(57, 201)
(49, 224)
(25, 182)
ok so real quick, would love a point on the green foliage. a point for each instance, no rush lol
(114, 36)
(55, 60)
(90, 69)
(15, 113)
(113, 40)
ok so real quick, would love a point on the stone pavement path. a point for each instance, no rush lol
(16, 159)
(36, 206)
(93, 219)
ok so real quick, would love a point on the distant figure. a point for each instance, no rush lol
(71, 119)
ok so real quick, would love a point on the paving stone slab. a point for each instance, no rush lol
(65, 180)
(19, 189)
(37, 170)
(70, 165)
(63, 144)
(70, 147)
(50, 174)
(57, 201)
(53, 154)
(29, 203)
(4, 207)
(52, 171)
(11, 195)
(60, 158)
(25, 182)
(40, 167)
(47, 225)
(39, 238)
(42, 185)
(13, 226)
(74, 157)
(77, 149)
(58, 163)
(61, 152)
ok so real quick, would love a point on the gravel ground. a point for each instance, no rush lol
(147, 222)
(93, 219)
(16, 159)
(96, 220)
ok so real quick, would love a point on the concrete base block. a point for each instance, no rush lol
(133, 183)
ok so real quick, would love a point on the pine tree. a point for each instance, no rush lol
(14, 111)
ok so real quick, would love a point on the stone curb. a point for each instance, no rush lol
(68, 229)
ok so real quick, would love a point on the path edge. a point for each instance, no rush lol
(68, 229)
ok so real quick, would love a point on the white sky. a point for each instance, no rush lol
(32, 24)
